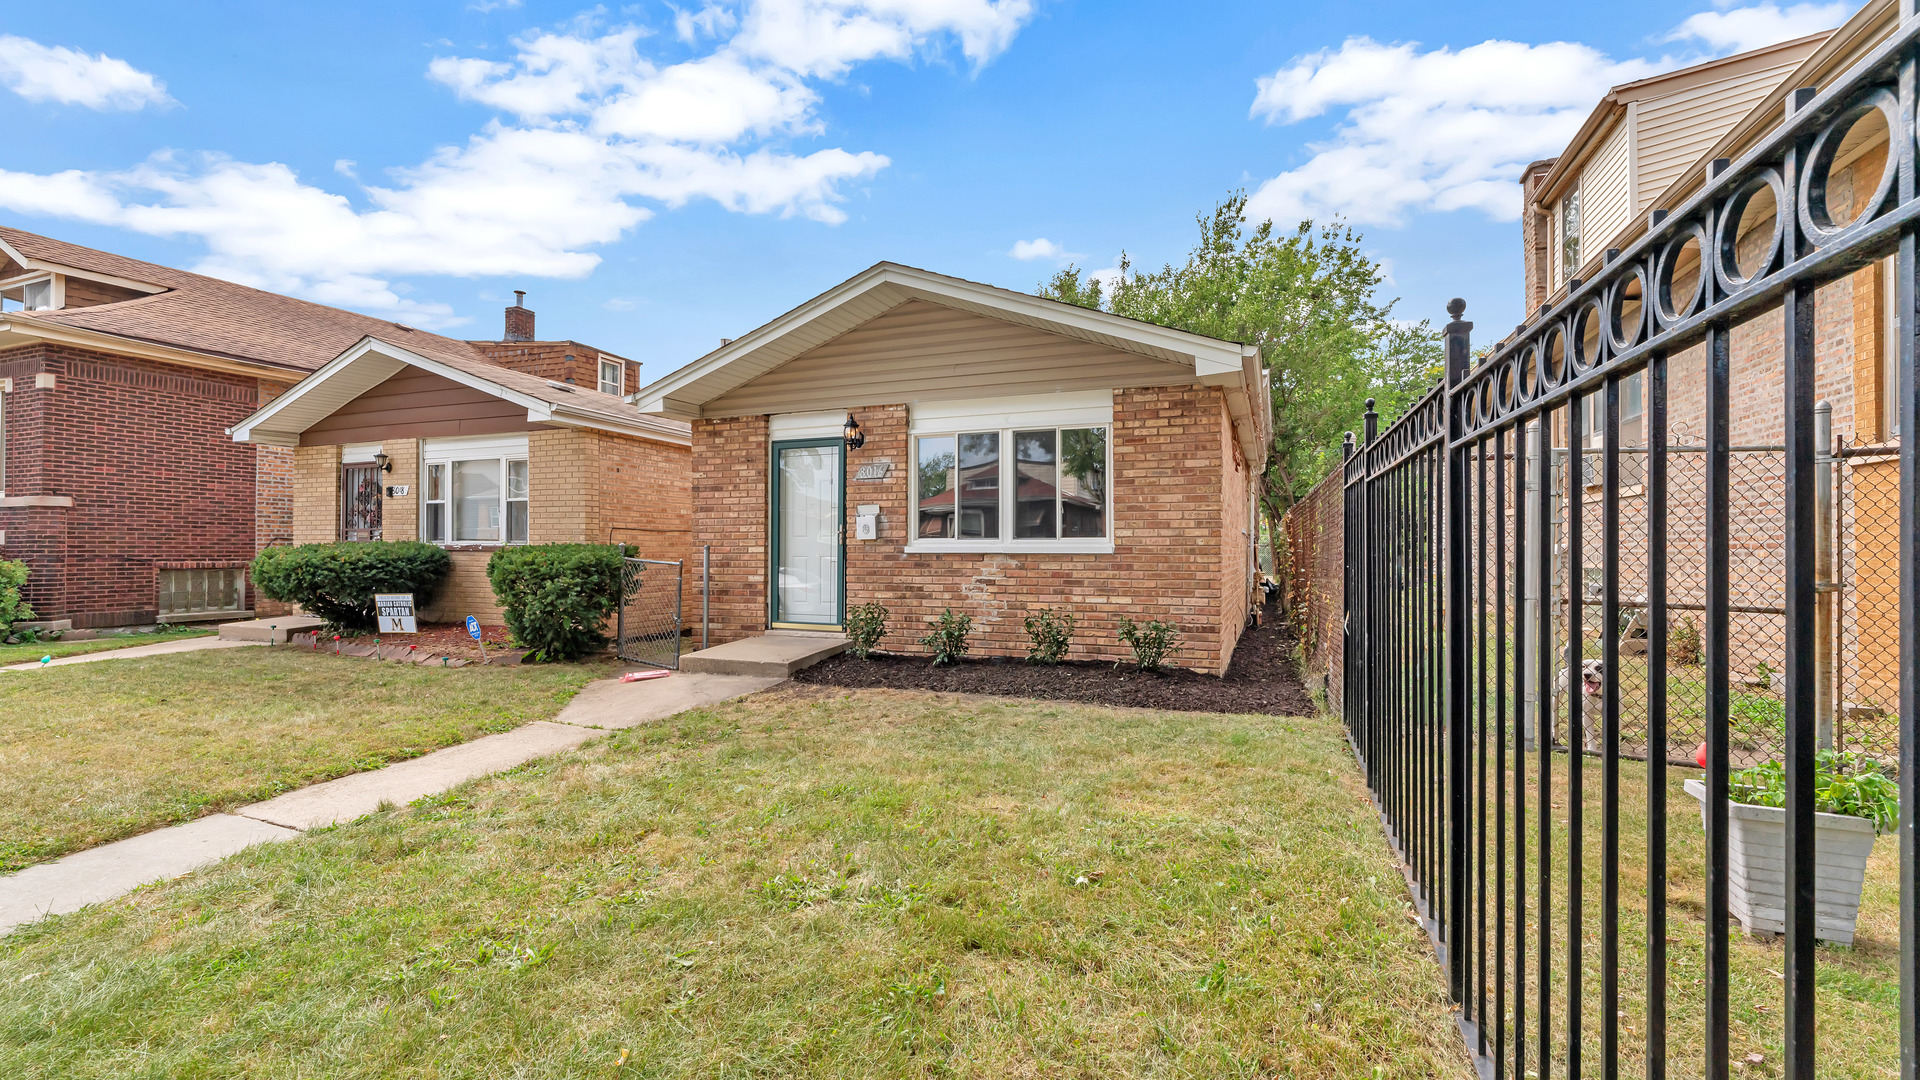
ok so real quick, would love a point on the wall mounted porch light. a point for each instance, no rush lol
(385, 463)
(855, 437)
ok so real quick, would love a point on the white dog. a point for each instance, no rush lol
(1591, 673)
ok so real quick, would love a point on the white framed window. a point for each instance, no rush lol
(1570, 235)
(612, 377)
(474, 491)
(35, 294)
(1037, 477)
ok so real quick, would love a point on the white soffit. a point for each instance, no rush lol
(318, 396)
(885, 286)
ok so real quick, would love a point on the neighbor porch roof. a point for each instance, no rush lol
(372, 361)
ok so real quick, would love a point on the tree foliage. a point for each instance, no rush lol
(1309, 300)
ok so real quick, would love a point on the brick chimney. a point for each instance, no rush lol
(519, 319)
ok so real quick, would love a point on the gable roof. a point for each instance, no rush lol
(371, 361)
(885, 286)
(198, 315)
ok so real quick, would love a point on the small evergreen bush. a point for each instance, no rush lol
(1152, 641)
(866, 624)
(336, 582)
(558, 597)
(947, 637)
(13, 576)
(1052, 634)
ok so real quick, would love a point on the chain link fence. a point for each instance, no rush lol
(650, 617)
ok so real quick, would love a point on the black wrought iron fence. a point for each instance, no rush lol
(1544, 609)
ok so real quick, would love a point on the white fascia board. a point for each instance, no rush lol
(560, 414)
(674, 394)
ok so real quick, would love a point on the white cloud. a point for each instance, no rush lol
(593, 137)
(710, 21)
(1109, 278)
(487, 7)
(1422, 130)
(1441, 129)
(1732, 30)
(1042, 248)
(55, 73)
(619, 303)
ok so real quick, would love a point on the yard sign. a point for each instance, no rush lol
(396, 613)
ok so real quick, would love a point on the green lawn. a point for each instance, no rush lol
(1858, 987)
(810, 883)
(95, 752)
(20, 654)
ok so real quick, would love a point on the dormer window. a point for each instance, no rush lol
(33, 294)
(612, 379)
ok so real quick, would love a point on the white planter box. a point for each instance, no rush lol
(1757, 860)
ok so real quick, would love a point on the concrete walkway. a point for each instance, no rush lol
(111, 870)
(185, 645)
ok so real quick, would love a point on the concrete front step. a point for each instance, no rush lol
(271, 631)
(775, 654)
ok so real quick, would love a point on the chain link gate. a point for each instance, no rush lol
(649, 619)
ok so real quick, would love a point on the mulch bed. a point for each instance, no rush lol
(1262, 679)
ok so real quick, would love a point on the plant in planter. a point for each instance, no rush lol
(1052, 634)
(1853, 801)
(947, 637)
(1152, 641)
(866, 624)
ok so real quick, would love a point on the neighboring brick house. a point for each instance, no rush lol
(1646, 148)
(410, 437)
(119, 484)
(928, 442)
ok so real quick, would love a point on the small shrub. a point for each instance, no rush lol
(1683, 643)
(866, 624)
(336, 582)
(1152, 641)
(13, 575)
(947, 637)
(558, 597)
(1052, 634)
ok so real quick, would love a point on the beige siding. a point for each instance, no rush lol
(1606, 204)
(921, 351)
(1675, 129)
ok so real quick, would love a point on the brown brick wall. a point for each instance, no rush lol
(561, 361)
(1172, 537)
(142, 449)
(730, 513)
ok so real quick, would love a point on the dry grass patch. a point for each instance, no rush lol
(95, 752)
(26, 652)
(801, 883)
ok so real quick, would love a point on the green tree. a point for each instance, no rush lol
(1309, 299)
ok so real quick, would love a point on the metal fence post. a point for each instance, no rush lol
(620, 616)
(1459, 358)
(1825, 587)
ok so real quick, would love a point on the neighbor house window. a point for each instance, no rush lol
(612, 378)
(1570, 235)
(37, 295)
(1027, 484)
(1633, 409)
(474, 493)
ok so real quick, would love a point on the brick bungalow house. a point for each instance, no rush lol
(406, 436)
(928, 442)
(1649, 146)
(119, 484)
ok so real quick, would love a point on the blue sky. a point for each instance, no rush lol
(658, 178)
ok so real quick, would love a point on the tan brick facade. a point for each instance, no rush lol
(583, 486)
(1179, 506)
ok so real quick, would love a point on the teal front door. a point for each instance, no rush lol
(808, 519)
